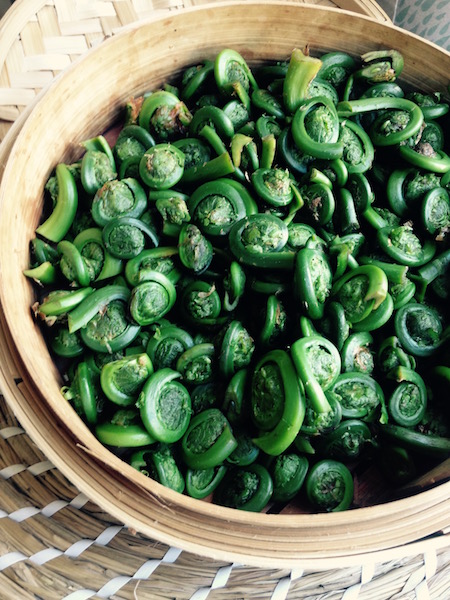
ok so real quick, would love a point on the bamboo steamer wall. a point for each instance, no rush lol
(84, 101)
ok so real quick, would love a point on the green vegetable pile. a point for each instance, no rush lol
(246, 286)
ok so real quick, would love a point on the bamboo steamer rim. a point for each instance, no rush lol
(187, 516)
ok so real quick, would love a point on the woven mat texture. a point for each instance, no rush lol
(54, 543)
(40, 38)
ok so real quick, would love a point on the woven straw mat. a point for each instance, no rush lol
(54, 543)
(39, 38)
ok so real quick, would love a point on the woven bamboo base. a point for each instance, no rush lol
(54, 542)
(39, 38)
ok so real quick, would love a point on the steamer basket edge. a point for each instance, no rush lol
(17, 315)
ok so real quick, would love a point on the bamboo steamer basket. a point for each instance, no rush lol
(85, 100)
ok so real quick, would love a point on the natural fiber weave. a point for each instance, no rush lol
(56, 544)
(39, 38)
